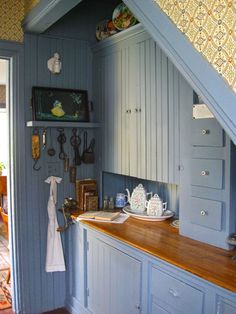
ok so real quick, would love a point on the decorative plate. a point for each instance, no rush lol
(122, 17)
(144, 216)
(105, 29)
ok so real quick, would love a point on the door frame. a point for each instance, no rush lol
(17, 201)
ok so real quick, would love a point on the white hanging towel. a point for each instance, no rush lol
(54, 258)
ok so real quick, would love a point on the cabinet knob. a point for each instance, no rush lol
(139, 110)
(205, 132)
(203, 212)
(136, 109)
(204, 173)
(128, 111)
(174, 293)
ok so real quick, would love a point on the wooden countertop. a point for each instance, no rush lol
(162, 240)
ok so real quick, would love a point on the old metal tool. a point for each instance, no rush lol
(44, 138)
(61, 140)
(88, 152)
(35, 152)
(75, 141)
(51, 150)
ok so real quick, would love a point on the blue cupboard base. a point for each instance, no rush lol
(74, 306)
(138, 281)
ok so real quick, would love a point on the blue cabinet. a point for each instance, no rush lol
(137, 89)
(113, 279)
(110, 277)
(173, 295)
(207, 177)
(226, 306)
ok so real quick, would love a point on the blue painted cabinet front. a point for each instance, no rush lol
(114, 278)
(207, 177)
(137, 92)
(226, 306)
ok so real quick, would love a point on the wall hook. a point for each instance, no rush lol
(34, 166)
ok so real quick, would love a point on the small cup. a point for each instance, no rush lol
(120, 200)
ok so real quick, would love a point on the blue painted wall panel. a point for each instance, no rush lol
(45, 291)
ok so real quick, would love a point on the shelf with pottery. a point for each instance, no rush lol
(62, 124)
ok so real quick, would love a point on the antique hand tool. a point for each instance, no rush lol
(75, 141)
(61, 140)
(35, 152)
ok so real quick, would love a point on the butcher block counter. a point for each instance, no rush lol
(163, 241)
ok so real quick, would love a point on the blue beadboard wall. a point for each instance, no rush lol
(45, 291)
(113, 183)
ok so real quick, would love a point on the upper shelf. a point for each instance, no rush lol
(115, 39)
(46, 13)
(61, 124)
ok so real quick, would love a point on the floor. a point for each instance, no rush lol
(4, 257)
(4, 251)
(58, 311)
(5, 263)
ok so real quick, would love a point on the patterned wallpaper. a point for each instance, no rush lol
(12, 13)
(29, 4)
(210, 25)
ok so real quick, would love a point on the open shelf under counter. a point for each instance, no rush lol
(62, 124)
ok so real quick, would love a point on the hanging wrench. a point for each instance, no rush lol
(61, 140)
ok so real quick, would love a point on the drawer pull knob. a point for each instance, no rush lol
(203, 213)
(205, 132)
(136, 109)
(205, 173)
(138, 307)
(174, 293)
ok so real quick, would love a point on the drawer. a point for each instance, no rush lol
(175, 295)
(207, 132)
(207, 172)
(206, 213)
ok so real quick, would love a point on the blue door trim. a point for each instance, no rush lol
(14, 53)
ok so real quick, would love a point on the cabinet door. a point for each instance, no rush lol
(226, 306)
(114, 280)
(98, 276)
(140, 99)
(111, 97)
(155, 114)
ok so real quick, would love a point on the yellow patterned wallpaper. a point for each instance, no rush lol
(210, 25)
(29, 4)
(12, 13)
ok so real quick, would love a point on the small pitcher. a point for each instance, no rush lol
(155, 206)
(121, 200)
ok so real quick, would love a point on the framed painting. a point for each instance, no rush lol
(57, 104)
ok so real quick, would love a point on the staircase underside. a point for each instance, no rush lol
(203, 78)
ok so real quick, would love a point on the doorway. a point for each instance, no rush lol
(5, 280)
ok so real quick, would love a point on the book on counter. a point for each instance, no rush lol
(100, 215)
